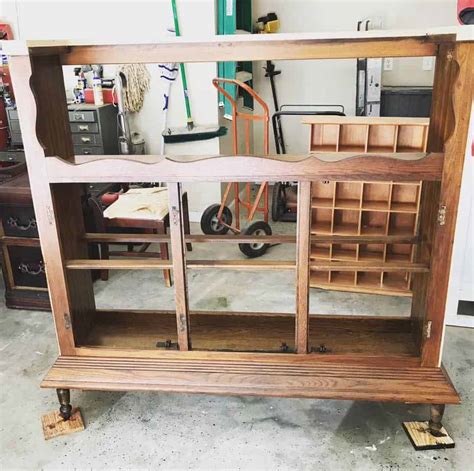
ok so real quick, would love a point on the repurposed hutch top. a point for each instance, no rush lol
(401, 361)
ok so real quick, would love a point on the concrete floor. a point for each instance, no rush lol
(180, 431)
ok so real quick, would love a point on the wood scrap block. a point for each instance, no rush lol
(422, 439)
(54, 425)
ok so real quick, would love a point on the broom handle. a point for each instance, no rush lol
(182, 68)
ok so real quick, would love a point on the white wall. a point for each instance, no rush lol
(136, 21)
(333, 82)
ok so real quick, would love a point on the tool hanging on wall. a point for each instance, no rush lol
(271, 24)
(168, 75)
(131, 83)
(191, 132)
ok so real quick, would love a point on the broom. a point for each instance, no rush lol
(191, 132)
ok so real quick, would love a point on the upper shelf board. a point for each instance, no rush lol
(369, 120)
(300, 46)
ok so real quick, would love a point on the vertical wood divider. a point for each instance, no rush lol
(178, 253)
(303, 245)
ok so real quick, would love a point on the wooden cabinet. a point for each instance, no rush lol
(373, 358)
(22, 260)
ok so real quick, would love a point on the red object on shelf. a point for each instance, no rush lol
(466, 12)
(108, 93)
(108, 198)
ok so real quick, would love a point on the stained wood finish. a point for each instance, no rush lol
(48, 227)
(178, 249)
(242, 332)
(230, 48)
(338, 381)
(124, 264)
(369, 359)
(303, 231)
(410, 167)
(456, 127)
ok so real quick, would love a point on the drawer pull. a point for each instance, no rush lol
(32, 268)
(79, 117)
(85, 139)
(83, 127)
(15, 223)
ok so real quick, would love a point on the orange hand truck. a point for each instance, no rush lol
(217, 218)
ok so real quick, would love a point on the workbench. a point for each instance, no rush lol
(372, 358)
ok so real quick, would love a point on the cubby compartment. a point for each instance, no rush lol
(353, 137)
(376, 196)
(374, 223)
(321, 221)
(323, 194)
(405, 197)
(346, 222)
(369, 280)
(402, 224)
(343, 278)
(344, 252)
(320, 251)
(398, 282)
(411, 138)
(324, 138)
(348, 195)
(399, 252)
(371, 252)
(382, 138)
(319, 278)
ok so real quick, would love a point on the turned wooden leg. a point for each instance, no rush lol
(435, 425)
(65, 409)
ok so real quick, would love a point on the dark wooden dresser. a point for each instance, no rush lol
(22, 261)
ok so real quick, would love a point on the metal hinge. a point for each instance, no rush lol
(67, 321)
(321, 349)
(442, 215)
(428, 330)
(168, 345)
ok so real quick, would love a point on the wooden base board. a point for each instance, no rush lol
(307, 378)
(54, 425)
(422, 439)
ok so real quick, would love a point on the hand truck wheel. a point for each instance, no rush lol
(278, 201)
(256, 249)
(211, 225)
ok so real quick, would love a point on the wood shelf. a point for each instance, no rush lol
(281, 378)
(124, 264)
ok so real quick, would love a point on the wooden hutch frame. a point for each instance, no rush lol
(374, 374)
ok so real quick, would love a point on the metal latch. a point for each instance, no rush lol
(428, 329)
(442, 215)
(168, 345)
(321, 349)
(67, 321)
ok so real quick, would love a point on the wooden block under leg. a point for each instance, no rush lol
(422, 438)
(54, 425)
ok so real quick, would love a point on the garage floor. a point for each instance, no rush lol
(180, 431)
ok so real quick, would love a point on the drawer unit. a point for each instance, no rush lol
(27, 267)
(84, 127)
(22, 261)
(94, 129)
(18, 221)
(87, 139)
(14, 127)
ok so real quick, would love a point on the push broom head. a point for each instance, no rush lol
(196, 133)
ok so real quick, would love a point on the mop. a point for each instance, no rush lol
(191, 132)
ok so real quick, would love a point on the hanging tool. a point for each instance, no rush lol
(191, 132)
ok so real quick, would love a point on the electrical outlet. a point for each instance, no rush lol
(428, 63)
(388, 63)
